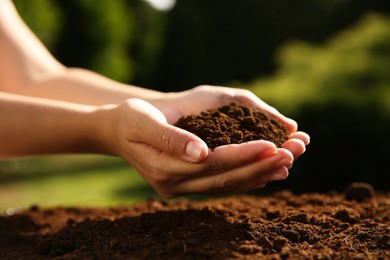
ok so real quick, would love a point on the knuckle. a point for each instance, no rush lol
(167, 140)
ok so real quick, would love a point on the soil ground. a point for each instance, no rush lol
(279, 226)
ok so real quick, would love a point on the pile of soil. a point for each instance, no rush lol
(279, 226)
(234, 124)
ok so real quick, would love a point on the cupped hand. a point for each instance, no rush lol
(175, 105)
(175, 162)
(230, 168)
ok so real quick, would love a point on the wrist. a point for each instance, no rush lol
(102, 129)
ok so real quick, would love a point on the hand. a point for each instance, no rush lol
(230, 168)
(202, 98)
(175, 105)
(164, 155)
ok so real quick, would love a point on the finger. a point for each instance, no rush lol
(276, 175)
(301, 136)
(295, 146)
(179, 143)
(239, 179)
(155, 131)
(226, 157)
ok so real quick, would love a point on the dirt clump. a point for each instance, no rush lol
(359, 191)
(279, 226)
(234, 124)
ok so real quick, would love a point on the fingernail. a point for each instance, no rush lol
(194, 150)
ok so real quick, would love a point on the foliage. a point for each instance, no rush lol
(97, 36)
(351, 69)
(149, 40)
(217, 42)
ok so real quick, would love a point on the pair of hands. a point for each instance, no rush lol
(175, 162)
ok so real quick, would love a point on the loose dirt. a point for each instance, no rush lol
(234, 124)
(280, 226)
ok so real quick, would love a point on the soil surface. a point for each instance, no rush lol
(279, 226)
(234, 124)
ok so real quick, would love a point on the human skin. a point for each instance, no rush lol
(47, 108)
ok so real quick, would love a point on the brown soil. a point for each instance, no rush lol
(234, 124)
(280, 226)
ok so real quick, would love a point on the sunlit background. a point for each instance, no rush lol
(162, 5)
(325, 63)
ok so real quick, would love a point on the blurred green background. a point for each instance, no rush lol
(325, 63)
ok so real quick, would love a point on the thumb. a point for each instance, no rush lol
(180, 143)
(155, 131)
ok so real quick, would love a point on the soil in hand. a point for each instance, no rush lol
(234, 124)
(280, 226)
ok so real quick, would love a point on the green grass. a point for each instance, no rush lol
(70, 181)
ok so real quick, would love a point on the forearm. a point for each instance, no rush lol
(84, 87)
(31, 126)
